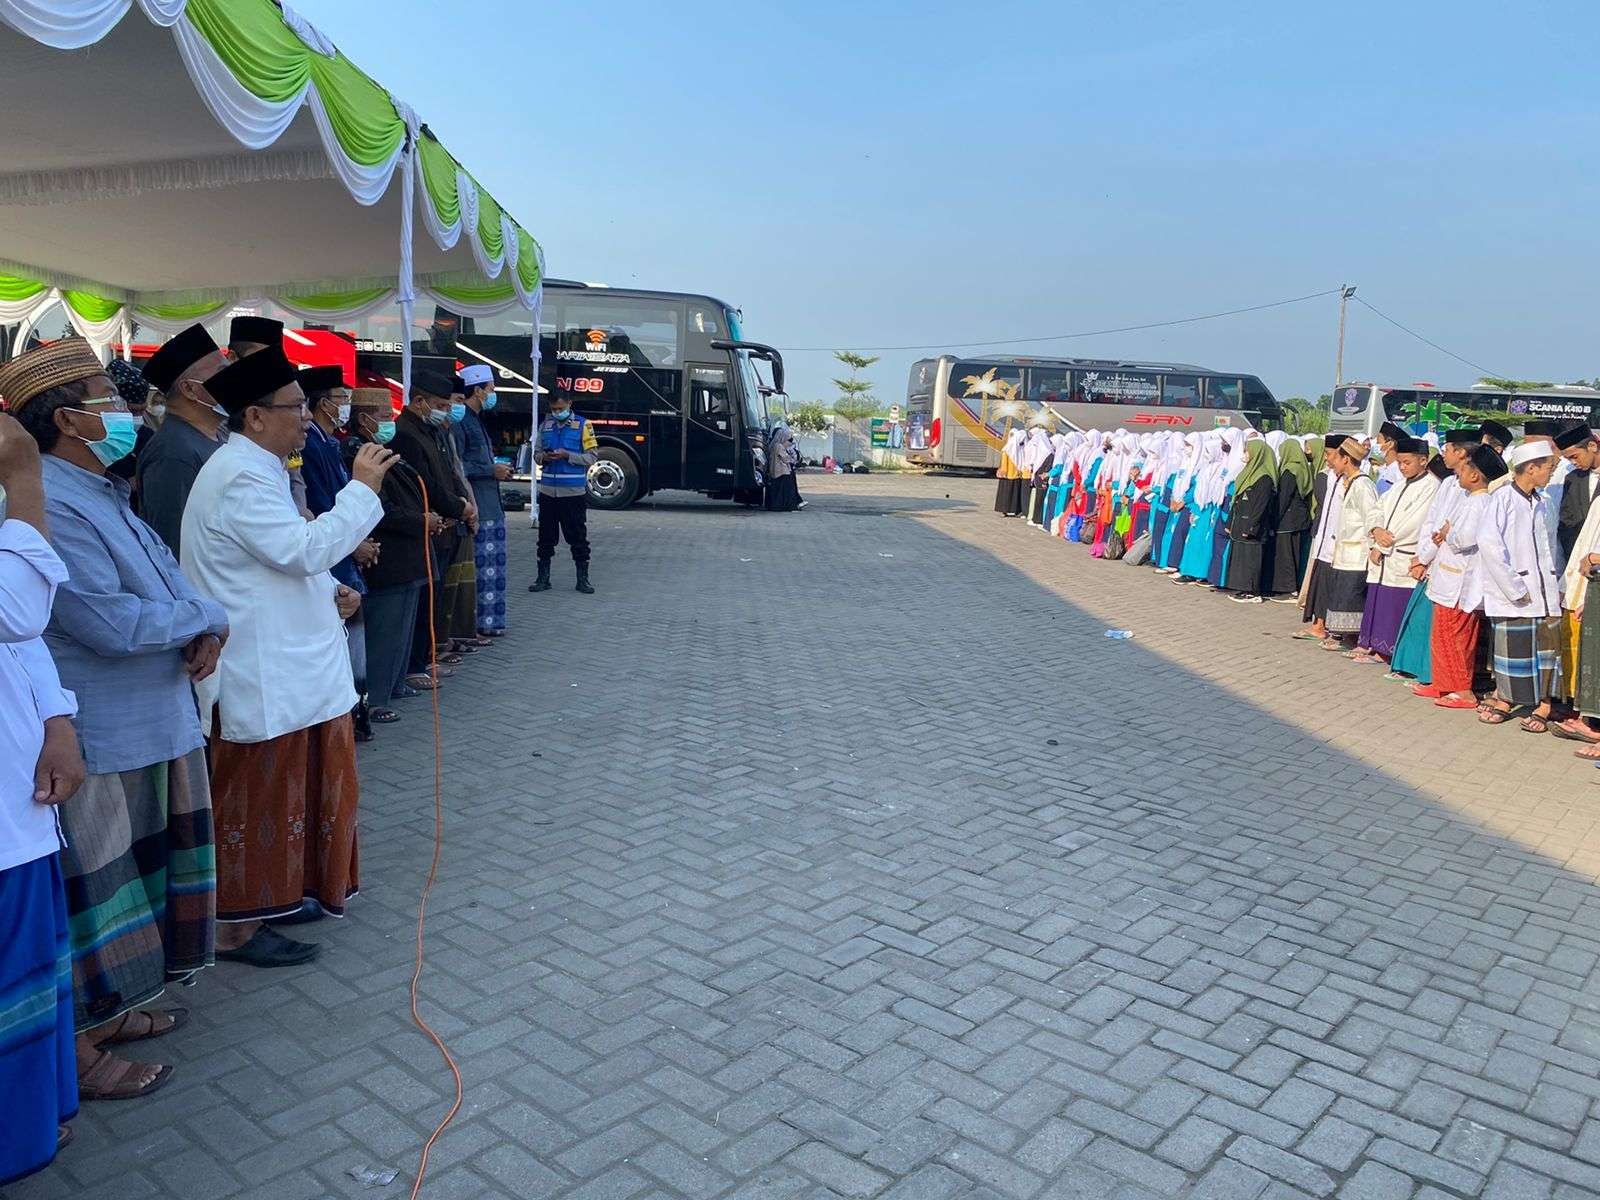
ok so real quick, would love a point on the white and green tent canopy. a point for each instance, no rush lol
(164, 160)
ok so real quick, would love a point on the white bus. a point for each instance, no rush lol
(1361, 409)
(959, 410)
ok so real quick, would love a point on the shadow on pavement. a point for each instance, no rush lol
(819, 857)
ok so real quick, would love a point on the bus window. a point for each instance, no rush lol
(641, 334)
(1120, 387)
(708, 391)
(1047, 385)
(1258, 399)
(1350, 401)
(1222, 393)
(1180, 391)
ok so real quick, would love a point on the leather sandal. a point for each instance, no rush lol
(111, 1078)
(140, 1024)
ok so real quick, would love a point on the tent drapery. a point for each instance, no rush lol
(255, 66)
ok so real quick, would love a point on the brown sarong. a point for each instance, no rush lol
(285, 813)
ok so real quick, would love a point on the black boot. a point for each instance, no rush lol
(584, 585)
(542, 582)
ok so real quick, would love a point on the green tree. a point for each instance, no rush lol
(856, 401)
(810, 417)
(1306, 416)
(1514, 385)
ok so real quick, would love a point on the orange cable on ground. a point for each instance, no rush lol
(438, 847)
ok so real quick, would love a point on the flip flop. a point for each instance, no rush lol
(450, 659)
(383, 716)
(1305, 637)
(1533, 723)
(1457, 702)
(1488, 714)
(1564, 731)
(1428, 692)
(146, 1031)
(1591, 753)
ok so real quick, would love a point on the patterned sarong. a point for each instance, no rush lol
(38, 1070)
(1527, 658)
(285, 812)
(491, 564)
(141, 884)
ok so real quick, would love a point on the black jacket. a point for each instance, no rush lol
(1575, 500)
(401, 531)
(1251, 518)
(1294, 510)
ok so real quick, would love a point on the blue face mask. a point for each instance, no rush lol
(490, 401)
(438, 416)
(384, 434)
(565, 414)
(458, 412)
(122, 433)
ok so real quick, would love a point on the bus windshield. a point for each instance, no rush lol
(754, 404)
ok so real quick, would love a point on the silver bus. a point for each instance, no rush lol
(959, 410)
(1360, 409)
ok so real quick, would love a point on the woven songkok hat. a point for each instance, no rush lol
(27, 375)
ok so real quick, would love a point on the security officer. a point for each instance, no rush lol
(565, 452)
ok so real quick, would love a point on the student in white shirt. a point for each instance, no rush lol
(39, 768)
(284, 785)
(1522, 591)
(1455, 585)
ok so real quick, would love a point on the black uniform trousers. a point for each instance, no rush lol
(569, 517)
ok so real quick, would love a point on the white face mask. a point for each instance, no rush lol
(154, 412)
(344, 415)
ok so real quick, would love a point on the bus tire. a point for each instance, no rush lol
(614, 479)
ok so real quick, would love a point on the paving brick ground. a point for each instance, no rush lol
(839, 854)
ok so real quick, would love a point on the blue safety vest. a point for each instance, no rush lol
(568, 436)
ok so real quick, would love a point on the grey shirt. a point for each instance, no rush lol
(167, 468)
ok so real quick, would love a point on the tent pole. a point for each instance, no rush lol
(408, 294)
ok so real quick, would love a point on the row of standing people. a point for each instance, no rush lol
(1460, 566)
(184, 647)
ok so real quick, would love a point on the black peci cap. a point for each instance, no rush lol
(251, 380)
(1541, 428)
(1391, 431)
(1332, 441)
(1405, 444)
(181, 351)
(320, 379)
(1488, 461)
(1576, 436)
(261, 330)
(1467, 435)
(1497, 431)
(427, 381)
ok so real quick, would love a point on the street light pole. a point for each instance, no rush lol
(1345, 292)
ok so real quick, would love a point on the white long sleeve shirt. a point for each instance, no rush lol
(1446, 501)
(286, 666)
(1358, 517)
(1455, 580)
(1402, 510)
(1521, 577)
(1327, 532)
(30, 690)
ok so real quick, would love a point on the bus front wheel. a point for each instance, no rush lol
(613, 480)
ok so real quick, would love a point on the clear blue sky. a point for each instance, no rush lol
(896, 173)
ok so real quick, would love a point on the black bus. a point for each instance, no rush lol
(666, 379)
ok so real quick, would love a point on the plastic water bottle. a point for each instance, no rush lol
(1119, 635)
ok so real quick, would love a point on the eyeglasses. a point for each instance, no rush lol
(114, 403)
(301, 407)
